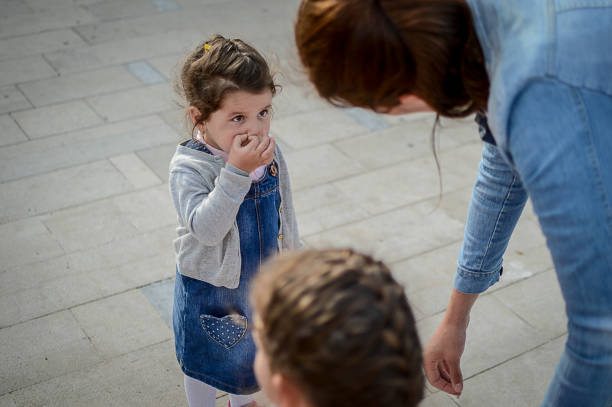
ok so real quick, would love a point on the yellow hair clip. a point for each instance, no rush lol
(206, 47)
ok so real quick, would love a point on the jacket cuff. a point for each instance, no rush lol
(474, 282)
(234, 182)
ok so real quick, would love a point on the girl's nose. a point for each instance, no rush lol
(256, 128)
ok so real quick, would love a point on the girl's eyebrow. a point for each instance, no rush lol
(242, 113)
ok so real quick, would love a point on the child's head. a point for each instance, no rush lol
(228, 88)
(335, 327)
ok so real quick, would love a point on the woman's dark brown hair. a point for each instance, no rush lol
(219, 66)
(369, 52)
(337, 324)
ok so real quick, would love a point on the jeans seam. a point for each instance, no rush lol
(593, 156)
(497, 221)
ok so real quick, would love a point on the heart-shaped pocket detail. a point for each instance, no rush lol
(226, 331)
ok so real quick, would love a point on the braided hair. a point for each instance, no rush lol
(339, 325)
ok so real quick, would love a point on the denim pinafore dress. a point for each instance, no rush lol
(212, 324)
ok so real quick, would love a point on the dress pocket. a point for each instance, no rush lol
(226, 331)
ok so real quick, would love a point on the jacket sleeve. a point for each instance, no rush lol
(209, 213)
(292, 241)
(497, 202)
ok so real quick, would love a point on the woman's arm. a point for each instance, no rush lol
(497, 202)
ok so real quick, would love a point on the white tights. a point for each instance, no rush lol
(200, 394)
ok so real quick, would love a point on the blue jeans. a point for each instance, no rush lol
(559, 152)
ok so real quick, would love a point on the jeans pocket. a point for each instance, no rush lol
(226, 331)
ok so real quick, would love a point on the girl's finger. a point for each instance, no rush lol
(239, 141)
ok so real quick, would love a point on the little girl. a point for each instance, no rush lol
(230, 188)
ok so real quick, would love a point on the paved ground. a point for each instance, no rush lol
(88, 122)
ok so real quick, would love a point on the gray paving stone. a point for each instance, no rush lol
(314, 128)
(170, 65)
(41, 349)
(13, 8)
(113, 10)
(28, 45)
(11, 100)
(394, 235)
(82, 146)
(135, 170)
(30, 274)
(134, 102)
(520, 382)
(246, 22)
(125, 251)
(158, 158)
(71, 186)
(318, 165)
(44, 20)
(7, 400)
(10, 133)
(175, 42)
(82, 287)
(79, 85)
(26, 241)
(317, 197)
(495, 335)
(439, 399)
(428, 278)
(367, 118)
(526, 235)
(45, 5)
(145, 72)
(329, 217)
(55, 119)
(294, 98)
(404, 183)
(403, 142)
(538, 301)
(24, 69)
(115, 331)
(160, 295)
(178, 120)
(90, 225)
(148, 209)
(147, 377)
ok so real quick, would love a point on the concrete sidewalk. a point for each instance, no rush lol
(88, 123)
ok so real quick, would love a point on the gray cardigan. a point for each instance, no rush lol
(207, 194)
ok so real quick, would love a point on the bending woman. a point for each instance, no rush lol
(541, 71)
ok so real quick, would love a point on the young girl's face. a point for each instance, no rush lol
(240, 113)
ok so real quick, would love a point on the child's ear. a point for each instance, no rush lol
(195, 114)
(287, 393)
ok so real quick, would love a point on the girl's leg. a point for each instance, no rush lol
(240, 400)
(199, 394)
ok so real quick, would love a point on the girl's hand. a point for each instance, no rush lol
(251, 152)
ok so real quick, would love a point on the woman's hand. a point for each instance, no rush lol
(443, 352)
(442, 355)
(251, 152)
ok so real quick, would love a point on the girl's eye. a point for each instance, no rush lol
(263, 113)
(237, 118)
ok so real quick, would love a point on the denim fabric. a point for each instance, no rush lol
(212, 324)
(550, 111)
(498, 199)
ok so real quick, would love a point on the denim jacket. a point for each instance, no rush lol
(525, 42)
